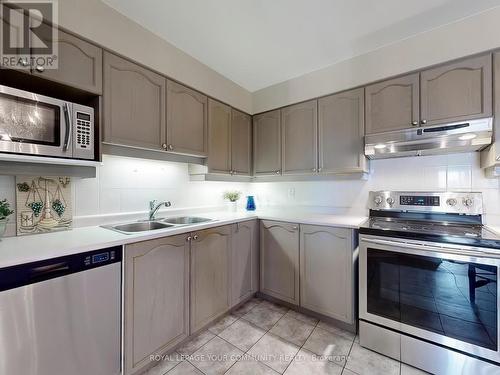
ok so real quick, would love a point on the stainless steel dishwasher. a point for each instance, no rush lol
(62, 316)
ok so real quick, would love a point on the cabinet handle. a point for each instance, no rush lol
(314, 169)
(170, 147)
(414, 123)
(188, 238)
(24, 62)
(320, 169)
(40, 68)
(278, 172)
(164, 146)
(195, 237)
(423, 122)
(295, 227)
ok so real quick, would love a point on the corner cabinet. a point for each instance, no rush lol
(241, 143)
(279, 260)
(341, 132)
(186, 120)
(219, 137)
(210, 252)
(393, 104)
(299, 138)
(327, 271)
(267, 143)
(134, 104)
(456, 92)
(244, 261)
(156, 299)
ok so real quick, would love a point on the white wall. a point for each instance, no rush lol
(465, 37)
(100, 23)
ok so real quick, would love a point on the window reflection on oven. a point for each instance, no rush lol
(452, 298)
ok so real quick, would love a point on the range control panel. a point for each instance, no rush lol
(443, 202)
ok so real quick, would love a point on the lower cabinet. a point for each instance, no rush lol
(210, 293)
(156, 298)
(279, 260)
(244, 261)
(327, 271)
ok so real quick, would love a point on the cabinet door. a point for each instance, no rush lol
(299, 139)
(134, 104)
(79, 63)
(209, 275)
(156, 284)
(267, 143)
(219, 137)
(393, 104)
(186, 120)
(279, 260)
(241, 143)
(326, 271)
(341, 132)
(456, 92)
(244, 255)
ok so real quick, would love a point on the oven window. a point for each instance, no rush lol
(29, 121)
(452, 298)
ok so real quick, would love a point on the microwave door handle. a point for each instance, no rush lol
(67, 120)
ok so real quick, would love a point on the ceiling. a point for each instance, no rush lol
(258, 43)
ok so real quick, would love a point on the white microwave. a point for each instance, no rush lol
(33, 124)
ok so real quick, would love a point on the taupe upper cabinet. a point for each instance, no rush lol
(186, 120)
(241, 143)
(457, 91)
(210, 293)
(299, 138)
(393, 104)
(219, 136)
(79, 63)
(267, 143)
(156, 292)
(134, 104)
(279, 260)
(341, 132)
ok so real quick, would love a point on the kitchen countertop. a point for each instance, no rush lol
(31, 248)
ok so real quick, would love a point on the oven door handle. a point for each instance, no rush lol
(449, 249)
(67, 120)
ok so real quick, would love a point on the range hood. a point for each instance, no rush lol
(448, 138)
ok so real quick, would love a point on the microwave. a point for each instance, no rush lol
(32, 124)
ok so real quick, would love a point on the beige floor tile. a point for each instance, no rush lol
(242, 334)
(333, 347)
(197, 342)
(409, 370)
(263, 316)
(346, 371)
(274, 352)
(365, 362)
(216, 357)
(292, 330)
(222, 324)
(338, 331)
(275, 306)
(250, 366)
(246, 307)
(185, 368)
(164, 364)
(302, 317)
(308, 363)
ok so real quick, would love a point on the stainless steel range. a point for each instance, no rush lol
(428, 274)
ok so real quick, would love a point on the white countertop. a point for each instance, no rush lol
(31, 248)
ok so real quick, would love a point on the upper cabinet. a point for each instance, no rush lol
(134, 104)
(341, 131)
(186, 120)
(241, 143)
(267, 143)
(393, 104)
(299, 138)
(457, 91)
(79, 63)
(219, 137)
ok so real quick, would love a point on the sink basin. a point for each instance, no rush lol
(185, 220)
(142, 226)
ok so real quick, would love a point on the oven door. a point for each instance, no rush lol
(442, 293)
(33, 124)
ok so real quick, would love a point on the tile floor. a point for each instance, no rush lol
(264, 338)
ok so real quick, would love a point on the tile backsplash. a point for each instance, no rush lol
(125, 185)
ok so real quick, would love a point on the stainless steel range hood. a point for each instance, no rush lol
(448, 138)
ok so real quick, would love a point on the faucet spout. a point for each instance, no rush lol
(153, 208)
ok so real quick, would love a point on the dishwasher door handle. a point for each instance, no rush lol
(49, 271)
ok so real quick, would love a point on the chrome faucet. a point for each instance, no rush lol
(153, 208)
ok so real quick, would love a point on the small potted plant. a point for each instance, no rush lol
(232, 197)
(5, 212)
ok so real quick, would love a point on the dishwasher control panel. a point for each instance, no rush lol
(101, 257)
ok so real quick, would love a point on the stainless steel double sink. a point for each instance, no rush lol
(152, 225)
